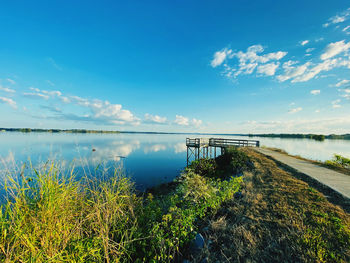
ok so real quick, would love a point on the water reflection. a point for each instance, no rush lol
(148, 158)
(112, 150)
(180, 147)
(154, 148)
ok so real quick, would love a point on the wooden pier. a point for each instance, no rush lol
(208, 147)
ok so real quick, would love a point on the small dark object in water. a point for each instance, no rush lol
(94, 150)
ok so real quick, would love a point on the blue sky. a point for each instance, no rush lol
(187, 66)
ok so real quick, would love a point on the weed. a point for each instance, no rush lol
(57, 218)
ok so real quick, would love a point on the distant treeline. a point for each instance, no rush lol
(318, 137)
(55, 130)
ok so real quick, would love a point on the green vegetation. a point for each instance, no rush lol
(270, 216)
(50, 217)
(318, 137)
(278, 218)
(233, 162)
(339, 161)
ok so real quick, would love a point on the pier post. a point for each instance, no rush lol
(187, 155)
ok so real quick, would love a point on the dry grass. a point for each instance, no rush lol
(279, 219)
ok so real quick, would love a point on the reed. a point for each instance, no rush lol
(53, 216)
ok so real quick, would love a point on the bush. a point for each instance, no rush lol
(204, 167)
(318, 137)
(234, 161)
(339, 161)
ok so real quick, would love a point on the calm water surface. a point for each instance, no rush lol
(149, 159)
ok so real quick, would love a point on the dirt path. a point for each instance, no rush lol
(335, 180)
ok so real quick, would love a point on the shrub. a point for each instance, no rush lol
(204, 167)
(318, 137)
(234, 161)
(339, 161)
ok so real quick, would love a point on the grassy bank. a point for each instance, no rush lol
(277, 219)
(337, 163)
(265, 216)
(54, 218)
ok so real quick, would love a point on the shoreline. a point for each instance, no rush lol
(241, 205)
(317, 137)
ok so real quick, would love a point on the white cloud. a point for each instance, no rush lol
(184, 121)
(8, 101)
(346, 28)
(11, 81)
(320, 125)
(334, 49)
(312, 72)
(341, 83)
(42, 94)
(315, 92)
(317, 111)
(291, 72)
(346, 94)
(339, 18)
(100, 111)
(196, 122)
(8, 90)
(65, 99)
(52, 93)
(303, 43)
(250, 60)
(155, 119)
(35, 95)
(114, 113)
(79, 101)
(181, 120)
(219, 57)
(268, 69)
(335, 104)
(308, 50)
(295, 110)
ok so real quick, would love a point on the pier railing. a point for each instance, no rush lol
(206, 147)
(219, 142)
(197, 142)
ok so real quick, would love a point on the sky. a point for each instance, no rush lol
(176, 66)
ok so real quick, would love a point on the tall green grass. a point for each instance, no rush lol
(55, 217)
(339, 161)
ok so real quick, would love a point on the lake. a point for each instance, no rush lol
(149, 159)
